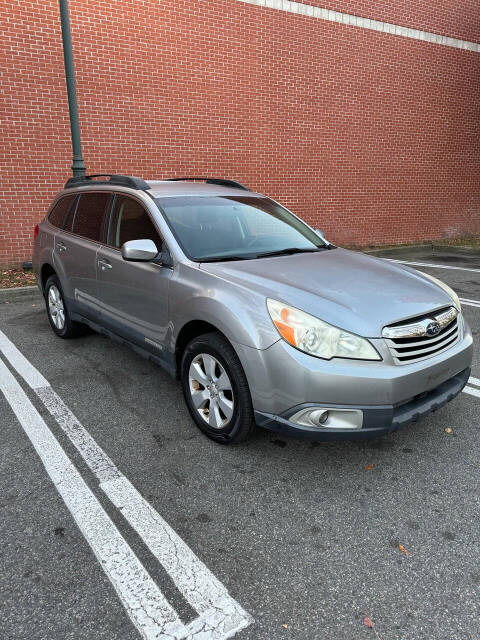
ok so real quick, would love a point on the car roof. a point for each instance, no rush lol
(166, 188)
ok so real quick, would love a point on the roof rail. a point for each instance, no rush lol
(115, 179)
(219, 181)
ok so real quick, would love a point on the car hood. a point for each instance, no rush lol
(350, 290)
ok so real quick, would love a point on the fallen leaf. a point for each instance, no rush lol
(368, 467)
(403, 550)
(368, 622)
(448, 430)
(284, 626)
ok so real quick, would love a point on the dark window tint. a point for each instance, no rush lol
(89, 215)
(130, 221)
(59, 212)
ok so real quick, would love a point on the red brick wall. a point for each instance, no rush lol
(373, 137)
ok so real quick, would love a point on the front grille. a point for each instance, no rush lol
(414, 347)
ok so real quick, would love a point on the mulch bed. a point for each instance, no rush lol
(10, 278)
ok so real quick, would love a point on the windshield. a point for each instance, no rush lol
(235, 228)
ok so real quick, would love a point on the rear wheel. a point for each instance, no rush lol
(57, 311)
(216, 389)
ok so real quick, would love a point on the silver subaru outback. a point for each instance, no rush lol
(262, 319)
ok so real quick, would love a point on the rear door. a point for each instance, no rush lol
(133, 295)
(76, 250)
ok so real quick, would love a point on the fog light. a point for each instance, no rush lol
(319, 416)
(328, 418)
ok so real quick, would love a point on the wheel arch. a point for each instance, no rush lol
(190, 330)
(243, 322)
(45, 272)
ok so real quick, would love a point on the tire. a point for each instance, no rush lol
(223, 411)
(57, 311)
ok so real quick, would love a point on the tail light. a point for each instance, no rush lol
(35, 231)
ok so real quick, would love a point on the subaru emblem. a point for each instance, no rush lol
(432, 328)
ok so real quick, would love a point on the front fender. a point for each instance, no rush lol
(239, 313)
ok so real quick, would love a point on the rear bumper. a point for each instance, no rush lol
(377, 420)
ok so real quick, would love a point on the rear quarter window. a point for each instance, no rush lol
(60, 211)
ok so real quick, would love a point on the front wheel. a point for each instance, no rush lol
(216, 389)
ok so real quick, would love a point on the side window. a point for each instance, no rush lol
(130, 221)
(89, 215)
(59, 213)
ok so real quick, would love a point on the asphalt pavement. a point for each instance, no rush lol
(301, 540)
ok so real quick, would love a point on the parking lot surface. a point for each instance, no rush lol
(154, 531)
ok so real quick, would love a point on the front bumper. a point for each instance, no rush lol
(283, 380)
(377, 421)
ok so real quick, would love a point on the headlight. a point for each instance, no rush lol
(318, 338)
(446, 288)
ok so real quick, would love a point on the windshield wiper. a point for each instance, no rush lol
(225, 258)
(289, 251)
(253, 256)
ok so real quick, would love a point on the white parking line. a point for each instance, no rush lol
(471, 390)
(145, 604)
(470, 303)
(220, 616)
(435, 266)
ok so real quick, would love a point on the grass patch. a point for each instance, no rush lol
(460, 242)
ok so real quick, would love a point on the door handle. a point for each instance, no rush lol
(61, 247)
(103, 264)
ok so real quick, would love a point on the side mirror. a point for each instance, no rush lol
(165, 259)
(139, 250)
(321, 233)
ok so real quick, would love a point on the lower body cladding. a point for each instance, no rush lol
(306, 397)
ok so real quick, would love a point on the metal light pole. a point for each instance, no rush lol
(78, 165)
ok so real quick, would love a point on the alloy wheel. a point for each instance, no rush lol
(211, 390)
(56, 308)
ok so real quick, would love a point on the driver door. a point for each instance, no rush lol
(133, 296)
